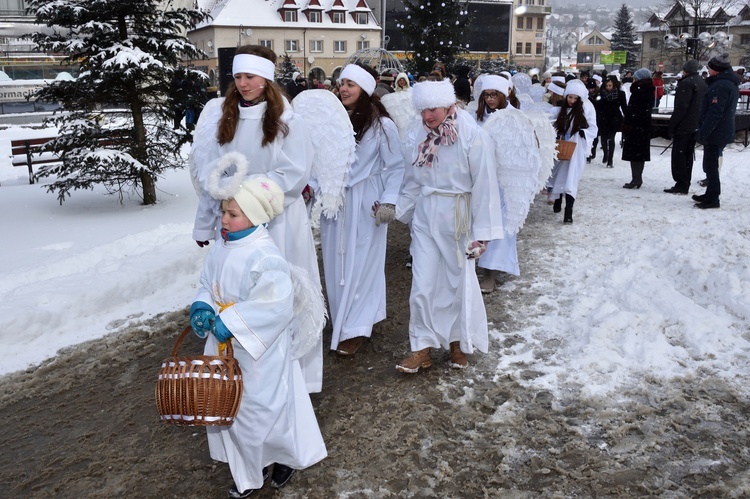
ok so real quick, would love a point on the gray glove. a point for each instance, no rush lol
(385, 214)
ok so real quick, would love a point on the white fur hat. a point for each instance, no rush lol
(509, 76)
(597, 78)
(495, 82)
(261, 199)
(576, 87)
(429, 94)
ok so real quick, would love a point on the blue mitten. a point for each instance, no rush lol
(220, 331)
(202, 318)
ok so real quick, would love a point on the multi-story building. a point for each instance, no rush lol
(687, 31)
(529, 33)
(590, 49)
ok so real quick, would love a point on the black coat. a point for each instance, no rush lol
(716, 121)
(636, 125)
(687, 105)
(609, 113)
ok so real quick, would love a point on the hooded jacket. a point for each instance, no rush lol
(716, 122)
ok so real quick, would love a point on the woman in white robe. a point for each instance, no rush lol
(247, 297)
(254, 119)
(451, 201)
(353, 243)
(575, 121)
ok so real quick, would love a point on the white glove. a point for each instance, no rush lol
(384, 213)
(476, 249)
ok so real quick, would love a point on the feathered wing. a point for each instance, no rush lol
(518, 163)
(401, 109)
(205, 147)
(309, 312)
(333, 139)
(546, 138)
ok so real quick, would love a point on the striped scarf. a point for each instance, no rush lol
(444, 135)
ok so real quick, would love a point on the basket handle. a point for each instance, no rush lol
(230, 350)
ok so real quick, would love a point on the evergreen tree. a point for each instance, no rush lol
(492, 65)
(287, 68)
(436, 30)
(623, 38)
(128, 54)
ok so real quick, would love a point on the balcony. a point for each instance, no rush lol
(538, 9)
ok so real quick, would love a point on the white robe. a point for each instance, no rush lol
(287, 161)
(353, 246)
(566, 174)
(445, 302)
(275, 422)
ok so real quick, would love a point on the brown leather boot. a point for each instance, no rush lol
(458, 358)
(416, 361)
(351, 346)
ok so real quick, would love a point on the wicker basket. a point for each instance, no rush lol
(565, 149)
(203, 390)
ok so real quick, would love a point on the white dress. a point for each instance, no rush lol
(275, 422)
(353, 247)
(566, 174)
(448, 205)
(287, 161)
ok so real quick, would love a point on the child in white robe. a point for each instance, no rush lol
(247, 297)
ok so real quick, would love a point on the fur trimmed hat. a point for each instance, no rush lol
(576, 87)
(494, 82)
(430, 94)
(719, 62)
(261, 199)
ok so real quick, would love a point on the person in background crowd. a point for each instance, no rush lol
(659, 86)
(297, 85)
(315, 83)
(611, 107)
(683, 123)
(636, 127)
(546, 78)
(462, 85)
(440, 69)
(704, 74)
(327, 84)
(385, 84)
(402, 82)
(628, 78)
(593, 90)
(716, 124)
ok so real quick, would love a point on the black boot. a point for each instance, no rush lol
(568, 215)
(557, 207)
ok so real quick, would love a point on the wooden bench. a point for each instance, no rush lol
(30, 152)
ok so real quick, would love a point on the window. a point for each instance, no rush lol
(528, 48)
(653, 43)
(538, 49)
(339, 46)
(316, 45)
(541, 2)
(745, 39)
(266, 43)
(363, 45)
(529, 23)
(519, 23)
(652, 65)
(362, 17)
(291, 45)
(314, 16)
(540, 24)
(338, 18)
(519, 48)
(290, 16)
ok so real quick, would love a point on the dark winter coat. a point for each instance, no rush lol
(716, 121)
(636, 124)
(687, 105)
(609, 113)
(462, 85)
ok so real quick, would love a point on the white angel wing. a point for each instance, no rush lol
(333, 138)
(401, 109)
(471, 108)
(478, 86)
(546, 137)
(522, 82)
(309, 312)
(205, 145)
(518, 163)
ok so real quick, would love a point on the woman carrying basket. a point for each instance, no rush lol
(247, 296)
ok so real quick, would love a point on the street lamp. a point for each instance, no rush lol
(691, 43)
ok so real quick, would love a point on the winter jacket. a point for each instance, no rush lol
(716, 122)
(659, 85)
(609, 113)
(687, 105)
(636, 126)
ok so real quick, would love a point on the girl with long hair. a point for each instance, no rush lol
(612, 104)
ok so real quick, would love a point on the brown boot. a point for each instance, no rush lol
(458, 358)
(416, 361)
(488, 283)
(351, 346)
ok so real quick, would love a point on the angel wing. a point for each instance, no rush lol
(309, 312)
(401, 109)
(518, 163)
(332, 133)
(546, 136)
(205, 145)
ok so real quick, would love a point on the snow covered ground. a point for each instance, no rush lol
(641, 286)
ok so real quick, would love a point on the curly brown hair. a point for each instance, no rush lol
(272, 123)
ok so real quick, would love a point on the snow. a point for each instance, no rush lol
(641, 286)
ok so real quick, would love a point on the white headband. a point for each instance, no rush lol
(359, 76)
(555, 89)
(561, 79)
(254, 65)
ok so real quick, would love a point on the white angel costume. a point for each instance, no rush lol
(448, 204)
(287, 161)
(566, 174)
(353, 247)
(248, 283)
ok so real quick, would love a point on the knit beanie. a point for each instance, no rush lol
(719, 62)
(691, 66)
(642, 74)
(261, 199)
